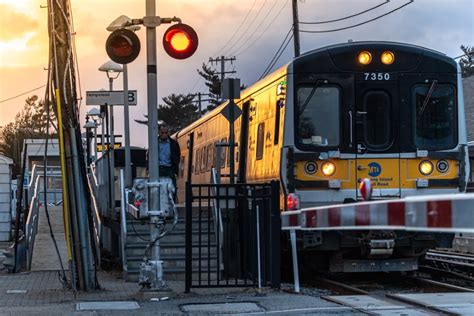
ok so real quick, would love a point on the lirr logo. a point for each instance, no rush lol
(374, 169)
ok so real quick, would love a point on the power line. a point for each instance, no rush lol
(270, 10)
(22, 94)
(265, 30)
(248, 28)
(278, 53)
(349, 16)
(237, 30)
(362, 23)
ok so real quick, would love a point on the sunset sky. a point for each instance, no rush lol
(442, 25)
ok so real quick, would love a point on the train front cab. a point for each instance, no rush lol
(400, 124)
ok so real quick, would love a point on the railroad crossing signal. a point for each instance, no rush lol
(180, 41)
(122, 46)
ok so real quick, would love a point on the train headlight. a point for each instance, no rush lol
(310, 167)
(442, 166)
(328, 168)
(365, 58)
(426, 167)
(387, 58)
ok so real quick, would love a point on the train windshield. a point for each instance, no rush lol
(435, 112)
(318, 119)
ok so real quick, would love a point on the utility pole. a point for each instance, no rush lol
(296, 28)
(223, 60)
(75, 190)
(200, 100)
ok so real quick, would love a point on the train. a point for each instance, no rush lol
(385, 111)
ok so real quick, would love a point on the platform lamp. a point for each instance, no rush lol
(88, 127)
(113, 70)
(94, 113)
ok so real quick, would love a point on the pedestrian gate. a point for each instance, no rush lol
(232, 235)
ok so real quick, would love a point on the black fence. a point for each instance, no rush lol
(226, 226)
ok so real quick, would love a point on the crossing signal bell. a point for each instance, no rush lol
(122, 46)
(180, 41)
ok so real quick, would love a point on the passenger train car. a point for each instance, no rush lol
(390, 112)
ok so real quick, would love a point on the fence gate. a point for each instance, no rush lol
(232, 235)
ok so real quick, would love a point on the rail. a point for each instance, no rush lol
(218, 224)
(123, 220)
(31, 227)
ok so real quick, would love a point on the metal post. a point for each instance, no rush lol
(95, 141)
(152, 88)
(295, 261)
(102, 138)
(258, 250)
(126, 118)
(111, 152)
(296, 28)
(199, 102)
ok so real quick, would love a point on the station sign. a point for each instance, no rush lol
(110, 97)
(106, 146)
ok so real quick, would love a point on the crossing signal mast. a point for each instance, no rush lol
(180, 41)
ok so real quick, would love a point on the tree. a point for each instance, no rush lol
(30, 122)
(467, 61)
(213, 82)
(177, 112)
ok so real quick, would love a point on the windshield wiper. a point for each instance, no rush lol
(428, 96)
(310, 96)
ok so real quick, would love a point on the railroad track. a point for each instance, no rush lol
(355, 296)
(459, 260)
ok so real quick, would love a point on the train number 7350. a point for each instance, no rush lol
(379, 76)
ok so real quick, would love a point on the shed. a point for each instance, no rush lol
(5, 198)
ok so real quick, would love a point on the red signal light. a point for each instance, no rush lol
(122, 46)
(180, 41)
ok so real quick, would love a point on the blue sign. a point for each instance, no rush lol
(374, 169)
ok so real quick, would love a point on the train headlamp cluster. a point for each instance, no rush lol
(328, 168)
(426, 167)
(442, 166)
(387, 57)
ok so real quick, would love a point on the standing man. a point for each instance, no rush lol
(169, 155)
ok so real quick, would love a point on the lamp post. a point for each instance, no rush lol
(112, 70)
(94, 113)
(88, 126)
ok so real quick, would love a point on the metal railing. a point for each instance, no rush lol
(36, 192)
(93, 188)
(123, 220)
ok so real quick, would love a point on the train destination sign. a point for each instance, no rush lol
(110, 97)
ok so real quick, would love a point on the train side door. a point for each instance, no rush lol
(376, 124)
(243, 143)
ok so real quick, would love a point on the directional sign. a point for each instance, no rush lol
(110, 97)
(226, 111)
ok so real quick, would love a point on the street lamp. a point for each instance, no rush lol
(113, 70)
(95, 114)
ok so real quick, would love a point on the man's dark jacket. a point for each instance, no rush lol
(175, 155)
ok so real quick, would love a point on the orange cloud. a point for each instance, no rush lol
(14, 24)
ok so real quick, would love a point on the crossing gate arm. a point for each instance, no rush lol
(440, 213)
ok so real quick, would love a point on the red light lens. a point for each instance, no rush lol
(292, 202)
(180, 41)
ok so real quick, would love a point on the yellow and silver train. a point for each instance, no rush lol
(390, 112)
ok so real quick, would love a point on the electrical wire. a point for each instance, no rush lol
(362, 23)
(247, 29)
(278, 53)
(349, 16)
(22, 94)
(256, 29)
(241, 51)
(237, 29)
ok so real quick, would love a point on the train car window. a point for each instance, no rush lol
(197, 161)
(223, 153)
(377, 122)
(203, 159)
(318, 119)
(214, 154)
(209, 157)
(181, 167)
(260, 140)
(435, 116)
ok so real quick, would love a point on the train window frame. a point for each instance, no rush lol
(197, 161)
(278, 106)
(209, 156)
(259, 151)
(389, 131)
(203, 159)
(310, 146)
(223, 153)
(437, 145)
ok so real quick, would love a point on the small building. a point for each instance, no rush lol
(35, 154)
(5, 197)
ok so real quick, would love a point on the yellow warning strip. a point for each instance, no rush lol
(63, 176)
